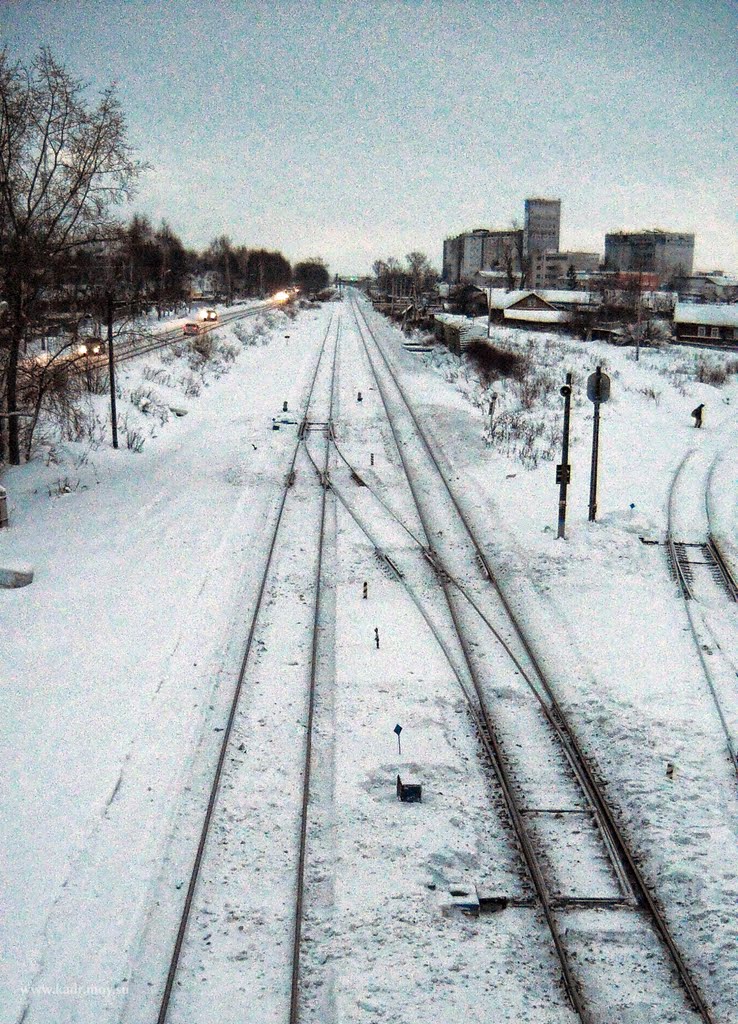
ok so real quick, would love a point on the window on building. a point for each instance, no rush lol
(714, 332)
(701, 332)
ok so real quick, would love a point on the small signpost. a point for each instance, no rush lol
(492, 404)
(398, 730)
(598, 391)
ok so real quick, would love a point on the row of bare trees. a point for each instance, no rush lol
(65, 166)
(411, 279)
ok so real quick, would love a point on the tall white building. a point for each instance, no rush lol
(542, 225)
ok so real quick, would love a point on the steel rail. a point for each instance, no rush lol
(493, 746)
(82, 364)
(727, 576)
(400, 576)
(173, 335)
(688, 596)
(729, 579)
(676, 566)
(584, 769)
(443, 572)
(215, 786)
(302, 857)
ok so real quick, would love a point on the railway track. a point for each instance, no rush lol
(292, 724)
(578, 872)
(691, 558)
(540, 805)
(697, 564)
(141, 345)
(322, 424)
(155, 342)
(705, 582)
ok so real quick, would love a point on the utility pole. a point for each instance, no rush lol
(111, 368)
(563, 471)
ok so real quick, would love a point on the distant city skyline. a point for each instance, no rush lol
(359, 131)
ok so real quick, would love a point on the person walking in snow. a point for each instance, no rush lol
(697, 414)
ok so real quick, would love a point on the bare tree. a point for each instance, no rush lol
(393, 273)
(171, 265)
(523, 257)
(379, 267)
(63, 166)
(225, 262)
(509, 260)
(311, 274)
(420, 270)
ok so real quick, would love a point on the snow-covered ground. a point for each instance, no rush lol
(119, 661)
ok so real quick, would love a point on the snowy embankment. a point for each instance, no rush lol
(112, 654)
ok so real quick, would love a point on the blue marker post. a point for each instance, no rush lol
(398, 730)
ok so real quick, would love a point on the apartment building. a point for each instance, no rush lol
(542, 225)
(550, 269)
(666, 253)
(481, 249)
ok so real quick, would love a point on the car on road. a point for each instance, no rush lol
(90, 347)
(211, 315)
(191, 327)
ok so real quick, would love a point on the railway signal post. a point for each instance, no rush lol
(563, 470)
(598, 391)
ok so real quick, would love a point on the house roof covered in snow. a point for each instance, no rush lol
(500, 298)
(538, 316)
(713, 314)
(566, 296)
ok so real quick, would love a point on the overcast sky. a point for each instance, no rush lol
(360, 130)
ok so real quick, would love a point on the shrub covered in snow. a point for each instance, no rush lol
(491, 362)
